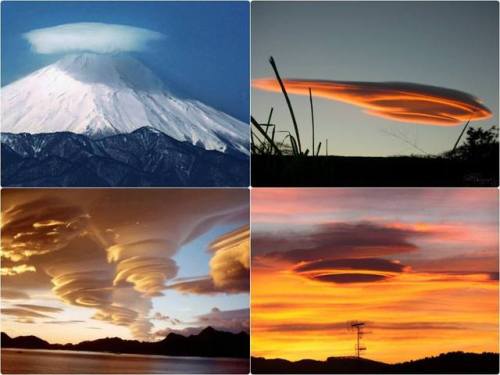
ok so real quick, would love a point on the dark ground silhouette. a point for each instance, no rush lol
(447, 363)
(400, 171)
(475, 163)
(208, 343)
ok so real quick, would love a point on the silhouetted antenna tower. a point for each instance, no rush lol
(358, 326)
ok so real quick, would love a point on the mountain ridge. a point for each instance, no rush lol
(208, 343)
(144, 157)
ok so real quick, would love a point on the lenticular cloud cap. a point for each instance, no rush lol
(400, 101)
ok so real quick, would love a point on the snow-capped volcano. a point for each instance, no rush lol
(102, 94)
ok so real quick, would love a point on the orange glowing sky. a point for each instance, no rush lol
(420, 266)
(400, 101)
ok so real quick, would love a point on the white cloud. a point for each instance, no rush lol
(89, 36)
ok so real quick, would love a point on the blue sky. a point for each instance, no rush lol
(205, 54)
(194, 259)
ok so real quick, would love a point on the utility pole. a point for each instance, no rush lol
(358, 326)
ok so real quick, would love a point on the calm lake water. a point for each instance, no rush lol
(25, 361)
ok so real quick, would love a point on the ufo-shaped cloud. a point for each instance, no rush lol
(346, 271)
(90, 36)
(400, 101)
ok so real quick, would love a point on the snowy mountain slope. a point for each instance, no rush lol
(100, 95)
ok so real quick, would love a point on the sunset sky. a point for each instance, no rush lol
(86, 264)
(419, 266)
(373, 46)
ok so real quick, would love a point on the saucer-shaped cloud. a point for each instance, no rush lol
(39, 227)
(230, 265)
(399, 101)
(145, 264)
(116, 314)
(346, 271)
(90, 36)
(9, 294)
(337, 240)
(16, 270)
(23, 315)
(375, 264)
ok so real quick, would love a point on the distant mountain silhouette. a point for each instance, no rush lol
(27, 342)
(447, 363)
(208, 343)
(145, 157)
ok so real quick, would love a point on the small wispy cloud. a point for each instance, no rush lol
(92, 37)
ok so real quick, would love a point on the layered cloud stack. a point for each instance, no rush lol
(91, 255)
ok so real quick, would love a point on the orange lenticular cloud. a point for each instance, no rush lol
(400, 101)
